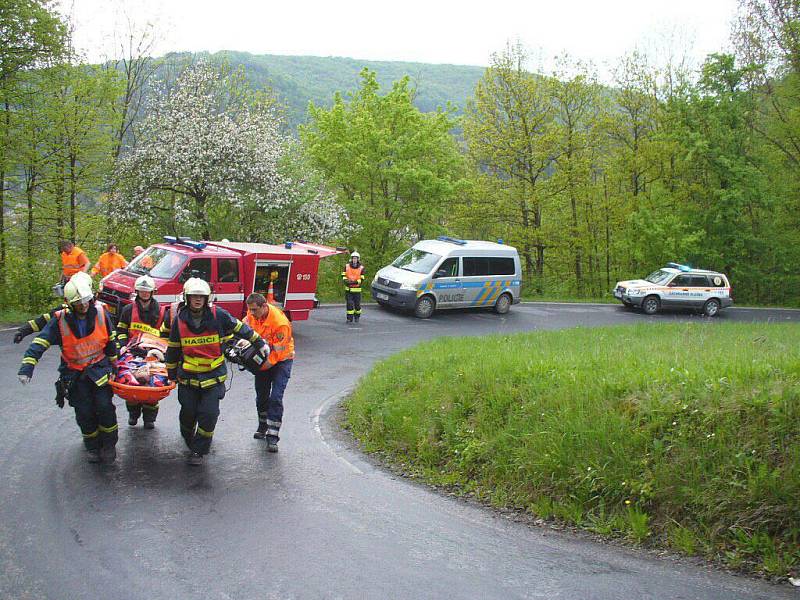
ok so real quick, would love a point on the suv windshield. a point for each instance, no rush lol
(659, 277)
(157, 262)
(416, 261)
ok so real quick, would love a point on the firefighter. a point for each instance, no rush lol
(143, 315)
(73, 260)
(196, 361)
(109, 261)
(272, 325)
(88, 353)
(352, 276)
(38, 323)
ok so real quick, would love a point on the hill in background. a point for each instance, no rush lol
(300, 79)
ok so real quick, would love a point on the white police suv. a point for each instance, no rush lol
(677, 286)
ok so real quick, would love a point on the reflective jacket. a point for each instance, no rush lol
(276, 330)
(352, 277)
(108, 262)
(73, 262)
(133, 321)
(62, 330)
(194, 354)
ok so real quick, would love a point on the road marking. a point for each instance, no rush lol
(315, 416)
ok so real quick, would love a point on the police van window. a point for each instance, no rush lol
(475, 266)
(227, 270)
(501, 266)
(449, 268)
(699, 281)
(198, 267)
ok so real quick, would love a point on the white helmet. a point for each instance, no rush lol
(82, 276)
(145, 283)
(195, 286)
(77, 291)
(355, 254)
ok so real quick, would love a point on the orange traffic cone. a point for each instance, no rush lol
(271, 293)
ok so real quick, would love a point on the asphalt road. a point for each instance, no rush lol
(316, 520)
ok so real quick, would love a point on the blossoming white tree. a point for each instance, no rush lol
(208, 154)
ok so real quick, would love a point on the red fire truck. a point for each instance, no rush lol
(233, 270)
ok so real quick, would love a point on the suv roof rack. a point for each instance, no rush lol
(452, 240)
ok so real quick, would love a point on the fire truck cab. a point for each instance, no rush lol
(286, 274)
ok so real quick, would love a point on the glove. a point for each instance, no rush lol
(123, 350)
(19, 336)
(24, 379)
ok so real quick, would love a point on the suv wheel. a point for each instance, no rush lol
(503, 304)
(651, 305)
(711, 308)
(424, 307)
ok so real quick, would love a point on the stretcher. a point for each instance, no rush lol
(145, 394)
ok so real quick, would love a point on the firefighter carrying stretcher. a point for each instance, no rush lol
(195, 360)
(88, 351)
(142, 316)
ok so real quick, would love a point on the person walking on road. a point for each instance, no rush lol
(352, 276)
(143, 315)
(73, 260)
(270, 383)
(88, 352)
(195, 360)
(109, 261)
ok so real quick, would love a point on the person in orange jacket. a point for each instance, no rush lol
(73, 260)
(270, 383)
(109, 261)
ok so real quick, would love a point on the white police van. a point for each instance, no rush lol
(450, 273)
(677, 286)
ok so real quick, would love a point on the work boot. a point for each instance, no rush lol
(195, 459)
(93, 456)
(133, 420)
(149, 425)
(272, 445)
(357, 317)
(108, 454)
(261, 432)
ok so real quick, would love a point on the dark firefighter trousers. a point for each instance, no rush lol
(353, 300)
(148, 411)
(199, 413)
(95, 413)
(270, 386)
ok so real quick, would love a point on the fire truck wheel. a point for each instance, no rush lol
(424, 307)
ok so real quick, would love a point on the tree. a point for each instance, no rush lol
(509, 129)
(394, 168)
(211, 144)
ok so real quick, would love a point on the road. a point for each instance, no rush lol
(316, 520)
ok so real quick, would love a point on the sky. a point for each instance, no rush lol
(433, 31)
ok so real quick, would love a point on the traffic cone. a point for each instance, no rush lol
(271, 293)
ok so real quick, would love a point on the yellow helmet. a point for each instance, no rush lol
(195, 286)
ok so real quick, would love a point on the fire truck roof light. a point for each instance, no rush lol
(182, 241)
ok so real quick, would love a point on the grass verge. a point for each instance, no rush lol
(682, 435)
(9, 317)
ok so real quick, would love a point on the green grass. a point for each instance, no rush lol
(13, 316)
(681, 435)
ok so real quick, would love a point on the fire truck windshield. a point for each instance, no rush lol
(157, 262)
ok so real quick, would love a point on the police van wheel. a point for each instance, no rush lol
(711, 308)
(651, 305)
(424, 307)
(503, 304)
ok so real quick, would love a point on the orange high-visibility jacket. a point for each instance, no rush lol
(73, 262)
(79, 353)
(276, 329)
(108, 262)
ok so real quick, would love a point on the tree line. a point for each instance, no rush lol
(593, 183)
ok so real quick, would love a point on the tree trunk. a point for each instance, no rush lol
(72, 196)
(7, 127)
